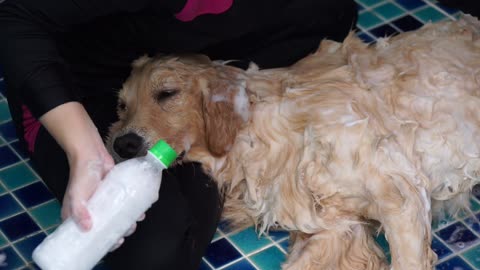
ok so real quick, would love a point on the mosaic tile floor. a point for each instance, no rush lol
(28, 212)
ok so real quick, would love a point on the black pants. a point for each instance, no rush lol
(180, 225)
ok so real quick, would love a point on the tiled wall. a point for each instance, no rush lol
(28, 211)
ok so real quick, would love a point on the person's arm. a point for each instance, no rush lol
(88, 159)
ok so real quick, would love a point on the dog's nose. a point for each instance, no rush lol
(128, 145)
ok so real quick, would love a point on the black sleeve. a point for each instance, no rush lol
(28, 52)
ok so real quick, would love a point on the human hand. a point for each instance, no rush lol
(89, 161)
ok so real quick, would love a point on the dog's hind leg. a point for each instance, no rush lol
(335, 250)
(405, 216)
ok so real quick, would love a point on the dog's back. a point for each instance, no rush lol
(430, 83)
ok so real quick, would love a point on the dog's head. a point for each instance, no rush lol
(195, 105)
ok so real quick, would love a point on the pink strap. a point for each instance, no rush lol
(195, 8)
(30, 128)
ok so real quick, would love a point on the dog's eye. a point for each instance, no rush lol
(164, 94)
(122, 106)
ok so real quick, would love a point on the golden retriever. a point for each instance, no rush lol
(351, 137)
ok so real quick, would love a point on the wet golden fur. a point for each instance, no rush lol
(350, 137)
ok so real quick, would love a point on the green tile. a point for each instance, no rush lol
(389, 257)
(16, 176)
(4, 111)
(389, 11)
(474, 205)
(248, 240)
(382, 241)
(368, 19)
(3, 241)
(269, 259)
(369, 3)
(2, 189)
(430, 14)
(47, 214)
(473, 256)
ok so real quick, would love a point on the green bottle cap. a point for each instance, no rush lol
(164, 153)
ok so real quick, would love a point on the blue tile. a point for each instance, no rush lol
(18, 226)
(7, 130)
(13, 259)
(449, 10)
(407, 23)
(285, 244)
(19, 149)
(27, 245)
(33, 194)
(8, 206)
(278, 235)
(360, 7)
(204, 266)
(224, 226)
(241, 265)
(366, 38)
(473, 223)
(221, 252)
(410, 4)
(7, 157)
(440, 249)
(458, 237)
(384, 31)
(453, 263)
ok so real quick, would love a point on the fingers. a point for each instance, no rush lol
(131, 230)
(127, 234)
(117, 245)
(81, 215)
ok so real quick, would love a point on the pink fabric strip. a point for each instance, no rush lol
(30, 128)
(195, 8)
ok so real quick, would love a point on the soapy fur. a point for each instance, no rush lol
(353, 139)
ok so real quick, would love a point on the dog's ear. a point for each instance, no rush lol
(221, 117)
